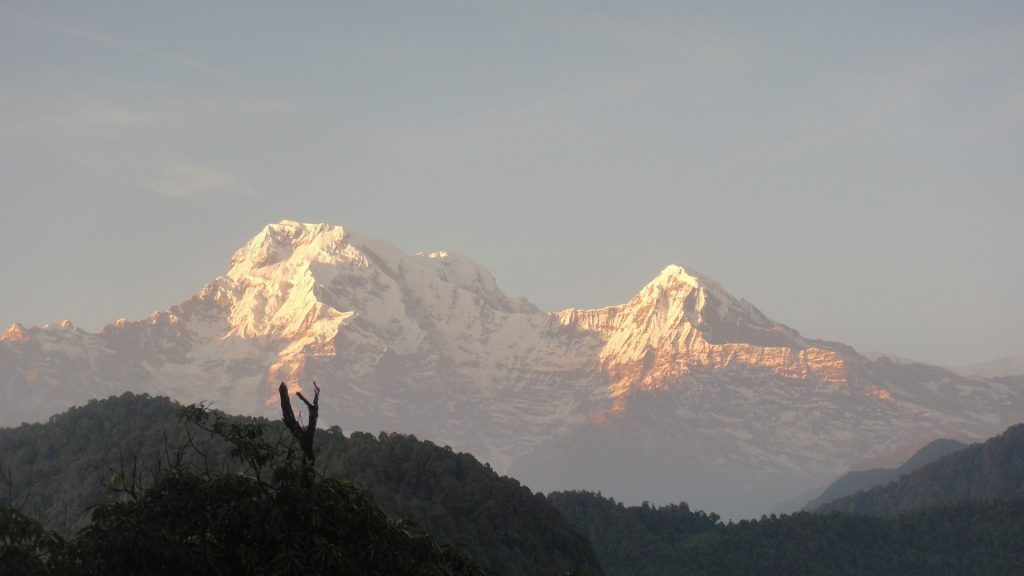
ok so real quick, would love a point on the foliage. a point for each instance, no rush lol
(991, 470)
(457, 499)
(26, 548)
(971, 538)
(59, 469)
(278, 517)
(294, 522)
(637, 539)
(857, 480)
(239, 499)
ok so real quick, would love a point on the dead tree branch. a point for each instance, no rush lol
(303, 435)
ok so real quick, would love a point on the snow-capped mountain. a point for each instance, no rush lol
(682, 393)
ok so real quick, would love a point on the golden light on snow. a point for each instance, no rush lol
(15, 333)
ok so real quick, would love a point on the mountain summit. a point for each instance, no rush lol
(713, 401)
(682, 320)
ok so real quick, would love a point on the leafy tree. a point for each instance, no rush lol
(57, 469)
(278, 516)
(26, 548)
(993, 469)
(978, 538)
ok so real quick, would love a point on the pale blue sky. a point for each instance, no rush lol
(853, 170)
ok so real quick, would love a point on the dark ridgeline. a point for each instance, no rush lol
(958, 515)
(857, 480)
(991, 470)
(977, 538)
(57, 470)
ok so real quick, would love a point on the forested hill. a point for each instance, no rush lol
(636, 539)
(57, 470)
(857, 480)
(987, 471)
(961, 514)
(978, 538)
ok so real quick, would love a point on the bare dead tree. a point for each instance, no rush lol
(303, 435)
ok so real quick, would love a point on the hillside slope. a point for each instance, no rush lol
(978, 538)
(857, 480)
(57, 471)
(988, 471)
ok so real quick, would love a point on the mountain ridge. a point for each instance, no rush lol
(992, 470)
(858, 480)
(59, 471)
(429, 344)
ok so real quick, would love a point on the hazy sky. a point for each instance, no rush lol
(856, 170)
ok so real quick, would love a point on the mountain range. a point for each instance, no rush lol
(682, 393)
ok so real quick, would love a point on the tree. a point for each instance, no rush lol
(303, 435)
(26, 549)
(277, 516)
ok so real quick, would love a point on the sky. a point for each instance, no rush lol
(855, 170)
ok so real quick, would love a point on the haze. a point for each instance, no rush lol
(854, 170)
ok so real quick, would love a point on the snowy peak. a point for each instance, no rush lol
(14, 333)
(289, 242)
(316, 290)
(683, 372)
(680, 299)
(463, 273)
(682, 306)
(270, 287)
(719, 316)
(289, 252)
(675, 274)
(277, 283)
(682, 320)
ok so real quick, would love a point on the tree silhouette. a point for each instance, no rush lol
(303, 435)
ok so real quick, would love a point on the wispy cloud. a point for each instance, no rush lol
(156, 172)
(76, 112)
(179, 180)
(104, 40)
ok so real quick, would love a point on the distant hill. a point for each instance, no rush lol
(987, 471)
(634, 539)
(1009, 366)
(857, 480)
(977, 538)
(56, 471)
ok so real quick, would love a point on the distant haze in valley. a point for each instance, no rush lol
(854, 171)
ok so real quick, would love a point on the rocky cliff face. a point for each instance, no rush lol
(682, 393)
